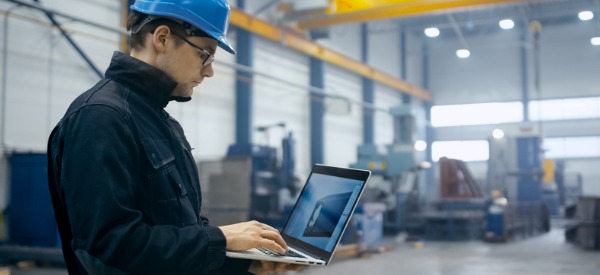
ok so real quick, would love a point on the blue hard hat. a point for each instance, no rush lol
(210, 16)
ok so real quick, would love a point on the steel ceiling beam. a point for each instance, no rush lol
(294, 41)
(398, 10)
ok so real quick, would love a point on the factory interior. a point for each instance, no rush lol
(479, 122)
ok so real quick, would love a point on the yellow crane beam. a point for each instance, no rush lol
(385, 9)
(295, 41)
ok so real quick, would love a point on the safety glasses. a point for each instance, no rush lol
(208, 57)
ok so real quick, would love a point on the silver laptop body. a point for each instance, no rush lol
(319, 218)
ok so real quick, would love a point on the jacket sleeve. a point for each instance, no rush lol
(231, 266)
(99, 174)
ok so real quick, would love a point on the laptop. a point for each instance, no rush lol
(319, 218)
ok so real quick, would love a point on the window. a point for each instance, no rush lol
(572, 147)
(476, 114)
(469, 150)
(560, 109)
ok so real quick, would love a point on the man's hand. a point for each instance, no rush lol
(266, 267)
(246, 235)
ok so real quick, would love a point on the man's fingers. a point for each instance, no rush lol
(275, 237)
(271, 244)
(268, 227)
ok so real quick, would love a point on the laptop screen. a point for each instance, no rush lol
(323, 209)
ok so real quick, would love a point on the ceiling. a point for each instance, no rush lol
(469, 17)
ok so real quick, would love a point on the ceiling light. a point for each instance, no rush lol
(420, 145)
(586, 15)
(506, 24)
(463, 53)
(498, 134)
(432, 32)
(595, 41)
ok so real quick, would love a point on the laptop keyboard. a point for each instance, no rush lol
(289, 253)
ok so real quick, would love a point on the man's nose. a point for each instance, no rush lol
(207, 71)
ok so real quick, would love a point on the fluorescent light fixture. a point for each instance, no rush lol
(586, 15)
(420, 145)
(506, 24)
(595, 41)
(498, 134)
(463, 53)
(432, 32)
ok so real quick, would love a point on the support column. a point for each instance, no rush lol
(406, 99)
(368, 113)
(317, 111)
(429, 131)
(524, 74)
(368, 86)
(243, 92)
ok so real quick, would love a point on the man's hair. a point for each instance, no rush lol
(136, 40)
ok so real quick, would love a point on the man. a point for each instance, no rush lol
(123, 181)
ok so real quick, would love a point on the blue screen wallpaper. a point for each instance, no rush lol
(323, 209)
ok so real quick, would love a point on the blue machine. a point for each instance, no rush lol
(399, 165)
(271, 179)
(515, 174)
(31, 218)
(398, 157)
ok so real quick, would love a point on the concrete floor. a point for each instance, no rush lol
(547, 254)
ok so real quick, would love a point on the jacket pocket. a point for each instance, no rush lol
(165, 190)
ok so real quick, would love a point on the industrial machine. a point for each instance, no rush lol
(396, 171)
(515, 175)
(459, 212)
(272, 181)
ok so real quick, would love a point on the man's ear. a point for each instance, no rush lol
(159, 38)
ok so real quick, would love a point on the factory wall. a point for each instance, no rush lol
(344, 39)
(276, 102)
(493, 73)
(414, 60)
(384, 47)
(343, 129)
(385, 98)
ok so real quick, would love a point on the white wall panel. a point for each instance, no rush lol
(414, 59)
(276, 101)
(492, 73)
(344, 39)
(569, 62)
(343, 133)
(384, 47)
(385, 98)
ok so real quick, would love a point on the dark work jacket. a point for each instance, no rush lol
(124, 184)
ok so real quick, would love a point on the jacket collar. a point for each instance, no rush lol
(142, 78)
